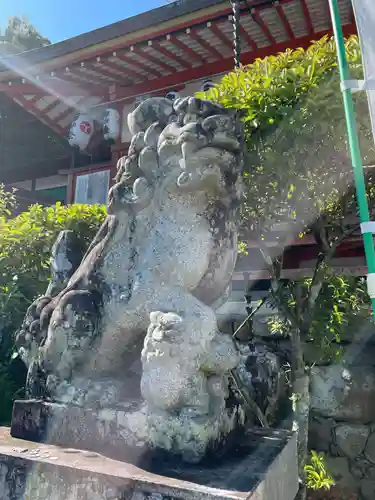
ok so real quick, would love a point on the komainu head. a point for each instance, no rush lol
(196, 144)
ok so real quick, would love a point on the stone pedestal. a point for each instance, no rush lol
(114, 432)
(264, 468)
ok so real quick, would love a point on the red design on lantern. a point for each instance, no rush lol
(85, 127)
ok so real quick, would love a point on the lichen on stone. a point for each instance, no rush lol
(160, 264)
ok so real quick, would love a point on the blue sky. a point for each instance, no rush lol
(61, 19)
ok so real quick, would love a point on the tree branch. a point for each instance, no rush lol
(249, 403)
(318, 277)
(249, 316)
(320, 233)
(345, 234)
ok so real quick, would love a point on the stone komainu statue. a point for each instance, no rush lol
(154, 274)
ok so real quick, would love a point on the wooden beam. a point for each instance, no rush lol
(154, 60)
(246, 36)
(101, 70)
(285, 21)
(29, 105)
(159, 92)
(181, 45)
(50, 106)
(17, 90)
(199, 21)
(209, 48)
(70, 110)
(85, 83)
(167, 53)
(327, 12)
(139, 39)
(352, 15)
(221, 66)
(255, 13)
(220, 35)
(137, 64)
(306, 15)
(50, 86)
(133, 75)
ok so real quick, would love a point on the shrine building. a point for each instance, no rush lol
(68, 102)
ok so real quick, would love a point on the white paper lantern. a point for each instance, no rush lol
(81, 131)
(111, 124)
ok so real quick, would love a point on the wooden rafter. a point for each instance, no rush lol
(137, 64)
(217, 67)
(80, 79)
(219, 16)
(154, 60)
(181, 45)
(120, 75)
(170, 55)
(84, 87)
(84, 82)
(285, 21)
(133, 75)
(52, 86)
(246, 36)
(204, 44)
(70, 110)
(100, 70)
(328, 14)
(352, 15)
(214, 27)
(257, 18)
(29, 105)
(22, 88)
(306, 15)
(50, 106)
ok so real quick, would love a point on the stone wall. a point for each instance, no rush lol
(343, 407)
(343, 419)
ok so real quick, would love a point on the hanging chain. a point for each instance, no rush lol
(236, 32)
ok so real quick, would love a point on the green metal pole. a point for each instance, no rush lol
(355, 153)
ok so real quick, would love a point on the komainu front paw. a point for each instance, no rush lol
(32, 331)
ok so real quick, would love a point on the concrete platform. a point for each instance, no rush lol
(35, 471)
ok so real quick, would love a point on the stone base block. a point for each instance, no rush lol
(265, 468)
(116, 433)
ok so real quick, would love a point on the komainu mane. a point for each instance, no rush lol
(153, 276)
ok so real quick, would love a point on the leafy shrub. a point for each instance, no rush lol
(25, 246)
(341, 308)
(298, 173)
(317, 476)
(298, 180)
(297, 167)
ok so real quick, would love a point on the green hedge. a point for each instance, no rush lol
(298, 169)
(25, 246)
(298, 164)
